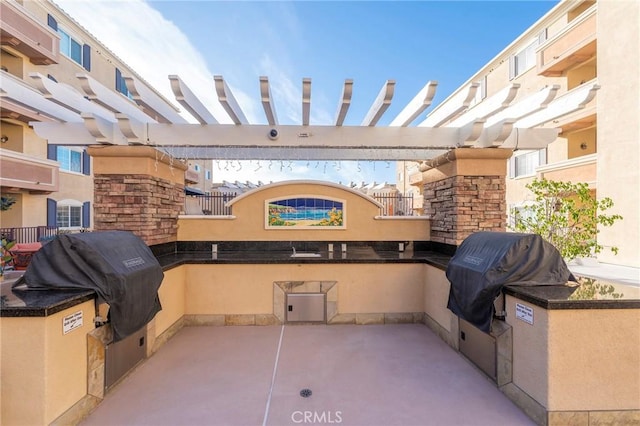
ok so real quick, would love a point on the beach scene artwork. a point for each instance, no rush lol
(305, 212)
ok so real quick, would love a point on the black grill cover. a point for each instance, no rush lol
(486, 261)
(118, 265)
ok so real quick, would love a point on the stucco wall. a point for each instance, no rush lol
(44, 372)
(619, 126)
(248, 222)
(172, 298)
(577, 360)
(248, 289)
(436, 296)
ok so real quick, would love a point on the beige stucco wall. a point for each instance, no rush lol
(172, 299)
(575, 360)
(619, 126)
(44, 372)
(436, 296)
(248, 289)
(248, 222)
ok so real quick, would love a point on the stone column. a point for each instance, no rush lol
(137, 189)
(464, 192)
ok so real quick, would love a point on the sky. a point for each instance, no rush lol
(410, 42)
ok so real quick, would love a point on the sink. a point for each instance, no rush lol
(306, 255)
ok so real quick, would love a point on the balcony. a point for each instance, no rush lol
(20, 172)
(23, 33)
(572, 46)
(191, 176)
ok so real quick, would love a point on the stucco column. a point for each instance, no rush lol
(137, 189)
(464, 192)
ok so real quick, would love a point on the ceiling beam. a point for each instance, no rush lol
(345, 102)
(418, 104)
(380, 104)
(306, 101)
(267, 103)
(228, 101)
(190, 101)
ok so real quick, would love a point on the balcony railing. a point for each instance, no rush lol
(25, 172)
(573, 45)
(215, 204)
(29, 234)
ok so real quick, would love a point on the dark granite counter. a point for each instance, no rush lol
(37, 303)
(589, 294)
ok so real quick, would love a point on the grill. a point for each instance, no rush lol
(483, 264)
(117, 265)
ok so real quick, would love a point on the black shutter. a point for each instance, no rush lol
(52, 212)
(118, 81)
(86, 57)
(86, 163)
(52, 152)
(51, 21)
(52, 78)
(86, 214)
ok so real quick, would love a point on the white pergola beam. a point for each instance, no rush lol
(418, 104)
(451, 107)
(306, 101)
(267, 102)
(228, 101)
(380, 104)
(114, 102)
(190, 101)
(488, 107)
(527, 106)
(571, 101)
(68, 98)
(345, 102)
(133, 131)
(152, 102)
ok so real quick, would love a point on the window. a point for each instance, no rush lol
(196, 167)
(526, 164)
(525, 59)
(121, 85)
(70, 159)
(70, 47)
(207, 174)
(69, 216)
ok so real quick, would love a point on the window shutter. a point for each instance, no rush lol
(86, 163)
(118, 81)
(51, 212)
(52, 152)
(51, 21)
(542, 157)
(512, 167)
(52, 78)
(542, 36)
(86, 214)
(86, 57)
(512, 67)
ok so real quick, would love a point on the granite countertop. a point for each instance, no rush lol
(15, 302)
(355, 255)
(589, 293)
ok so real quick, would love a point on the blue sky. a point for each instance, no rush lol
(411, 42)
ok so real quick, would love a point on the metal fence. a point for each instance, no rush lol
(215, 204)
(29, 234)
(394, 204)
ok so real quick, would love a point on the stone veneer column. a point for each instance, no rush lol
(464, 192)
(137, 189)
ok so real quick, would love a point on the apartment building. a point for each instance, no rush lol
(52, 70)
(577, 70)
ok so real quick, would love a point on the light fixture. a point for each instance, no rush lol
(4, 139)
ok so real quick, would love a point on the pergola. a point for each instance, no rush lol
(102, 116)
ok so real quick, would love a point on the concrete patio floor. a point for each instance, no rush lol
(358, 375)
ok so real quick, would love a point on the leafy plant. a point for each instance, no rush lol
(6, 202)
(567, 215)
(5, 255)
